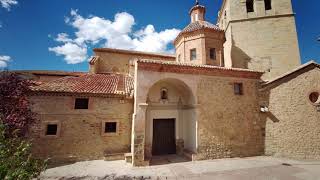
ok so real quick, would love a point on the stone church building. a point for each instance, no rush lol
(234, 89)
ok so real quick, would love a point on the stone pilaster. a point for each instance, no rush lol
(138, 150)
(138, 144)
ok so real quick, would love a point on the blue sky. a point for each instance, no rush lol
(38, 34)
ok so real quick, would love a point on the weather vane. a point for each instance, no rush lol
(197, 2)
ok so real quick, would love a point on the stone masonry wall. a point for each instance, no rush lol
(120, 62)
(81, 136)
(268, 45)
(293, 124)
(229, 125)
(263, 40)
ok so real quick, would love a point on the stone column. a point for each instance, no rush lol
(139, 136)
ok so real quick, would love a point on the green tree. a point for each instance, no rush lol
(16, 161)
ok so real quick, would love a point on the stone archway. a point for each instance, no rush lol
(170, 99)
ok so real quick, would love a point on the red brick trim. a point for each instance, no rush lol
(181, 69)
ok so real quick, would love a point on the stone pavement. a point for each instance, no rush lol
(253, 168)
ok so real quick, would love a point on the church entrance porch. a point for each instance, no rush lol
(165, 121)
(164, 142)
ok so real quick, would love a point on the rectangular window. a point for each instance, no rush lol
(110, 127)
(81, 103)
(238, 88)
(179, 58)
(52, 129)
(193, 54)
(267, 4)
(250, 6)
(213, 53)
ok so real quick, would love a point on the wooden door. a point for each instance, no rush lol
(163, 137)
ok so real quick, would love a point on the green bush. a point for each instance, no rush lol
(16, 161)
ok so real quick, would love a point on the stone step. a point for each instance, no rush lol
(114, 157)
(128, 157)
(188, 154)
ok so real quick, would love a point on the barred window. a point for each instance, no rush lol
(193, 54)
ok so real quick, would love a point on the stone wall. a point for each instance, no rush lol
(263, 40)
(226, 125)
(80, 136)
(271, 48)
(293, 123)
(229, 125)
(118, 61)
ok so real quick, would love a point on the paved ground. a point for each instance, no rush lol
(254, 168)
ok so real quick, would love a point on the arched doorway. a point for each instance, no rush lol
(170, 119)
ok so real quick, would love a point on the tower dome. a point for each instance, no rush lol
(200, 42)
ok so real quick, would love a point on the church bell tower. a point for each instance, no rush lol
(260, 35)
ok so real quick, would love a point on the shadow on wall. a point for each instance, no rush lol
(239, 58)
(265, 116)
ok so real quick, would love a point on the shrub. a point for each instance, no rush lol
(16, 161)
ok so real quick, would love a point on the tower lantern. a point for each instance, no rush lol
(197, 12)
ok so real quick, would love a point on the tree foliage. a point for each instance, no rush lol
(16, 161)
(14, 106)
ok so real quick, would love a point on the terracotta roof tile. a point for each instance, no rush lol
(200, 25)
(195, 65)
(106, 84)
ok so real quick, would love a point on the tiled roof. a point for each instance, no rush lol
(123, 51)
(187, 68)
(194, 65)
(304, 66)
(49, 73)
(103, 84)
(200, 25)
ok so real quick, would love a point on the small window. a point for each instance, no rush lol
(52, 130)
(110, 127)
(164, 94)
(267, 4)
(238, 88)
(250, 5)
(314, 97)
(225, 14)
(196, 17)
(179, 58)
(193, 54)
(81, 103)
(213, 53)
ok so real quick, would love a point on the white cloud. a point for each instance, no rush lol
(4, 61)
(117, 33)
(8, 3)
(73, 53)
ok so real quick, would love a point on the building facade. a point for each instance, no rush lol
(235, 89)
